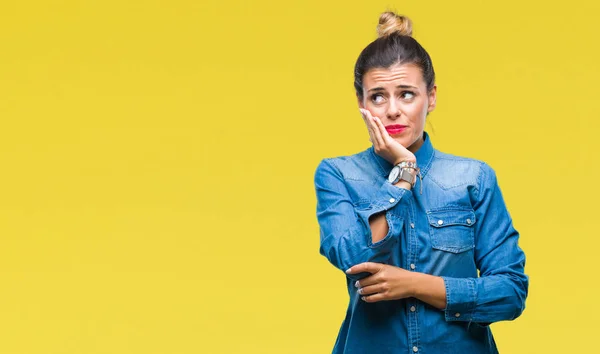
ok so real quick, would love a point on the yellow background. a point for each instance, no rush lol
(157, 158)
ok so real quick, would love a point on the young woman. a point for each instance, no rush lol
(428, 248)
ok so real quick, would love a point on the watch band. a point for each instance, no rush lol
(405, 171)
(407, 164)
(406, 175)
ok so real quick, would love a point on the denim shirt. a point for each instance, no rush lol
(453, 224)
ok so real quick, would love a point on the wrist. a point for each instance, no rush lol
(403, 184)
(428, 288)
(417, 281)
(423, 283)
(404, 171)
(405, 159)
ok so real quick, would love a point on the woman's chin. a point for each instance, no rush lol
(401, 140)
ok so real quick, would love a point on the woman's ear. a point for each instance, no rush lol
(432, 99)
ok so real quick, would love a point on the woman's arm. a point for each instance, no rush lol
(498, 294)
(388, 282)
(430, 289)
(500, 291)
(346, 237)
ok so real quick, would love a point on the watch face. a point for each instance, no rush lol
(394, 174)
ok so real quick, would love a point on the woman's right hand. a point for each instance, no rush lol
(383, 144)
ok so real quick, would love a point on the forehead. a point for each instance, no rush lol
(405, 74)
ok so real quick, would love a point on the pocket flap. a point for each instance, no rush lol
(442, 218)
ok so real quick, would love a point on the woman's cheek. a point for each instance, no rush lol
(378, 111)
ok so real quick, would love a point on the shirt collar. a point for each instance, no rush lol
(424, 157)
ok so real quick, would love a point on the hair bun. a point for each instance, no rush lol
(389, 23)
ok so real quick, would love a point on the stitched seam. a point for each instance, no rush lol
(440, 156)
(448, 300)
(447, 207)
(354, 179)
(458, 158)
(339, 170)
(479, 180)
(414, 247)
(447, 187)
(427, 165)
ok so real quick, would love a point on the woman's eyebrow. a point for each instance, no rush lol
(399, 86)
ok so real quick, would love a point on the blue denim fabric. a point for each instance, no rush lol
(458, 226)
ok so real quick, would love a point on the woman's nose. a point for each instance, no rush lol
(393, 111)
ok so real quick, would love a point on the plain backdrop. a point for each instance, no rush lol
(157, 160)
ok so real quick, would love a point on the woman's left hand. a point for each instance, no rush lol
(386, 282)
(383, 144)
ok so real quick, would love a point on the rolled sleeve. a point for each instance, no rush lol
(461, 297)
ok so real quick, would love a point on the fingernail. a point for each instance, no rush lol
(359, 290)
(348, 270)
(357, 284)
(363, 298)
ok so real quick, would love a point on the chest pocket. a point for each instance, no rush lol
(452, 230)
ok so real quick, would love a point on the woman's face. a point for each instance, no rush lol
(398, 97)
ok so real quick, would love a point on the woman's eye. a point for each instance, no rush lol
(377, 98)
(408, 95)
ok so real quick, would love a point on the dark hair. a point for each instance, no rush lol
(394, 46)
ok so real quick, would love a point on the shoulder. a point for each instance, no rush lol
(358, 166)
(449, 170)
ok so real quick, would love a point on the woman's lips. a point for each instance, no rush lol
(395, 128)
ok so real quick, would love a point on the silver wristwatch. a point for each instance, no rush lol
(405, 171)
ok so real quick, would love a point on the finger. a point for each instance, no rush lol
(376, 133)
(365, 267)
(372, 289)
(363, 114)
(367, 281)
(370, 126)
(384, 133)
(373, 298)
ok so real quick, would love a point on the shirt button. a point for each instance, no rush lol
(392, 200)
(412, 266)
(440, 222)
(469, 221)
(413, 309)
(415, 349)
(457, 315)
(412, 224)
